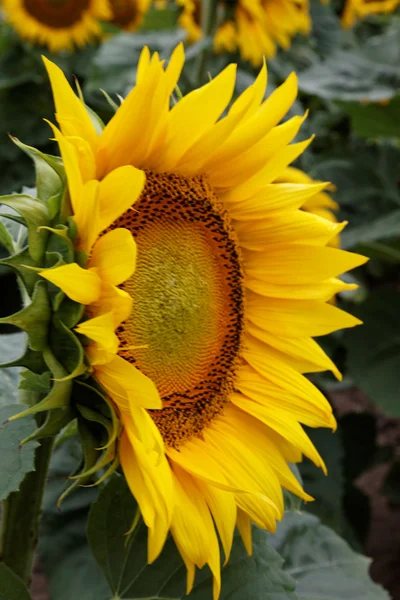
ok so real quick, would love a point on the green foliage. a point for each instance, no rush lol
(321, 563)
(11, 586)
(16, 461)
(123, 559)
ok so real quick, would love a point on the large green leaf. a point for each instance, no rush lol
(16, 461)
(123, 559)
(374, 350)
(11, 586)
(385, 227)
(323, 565)
(369, 73)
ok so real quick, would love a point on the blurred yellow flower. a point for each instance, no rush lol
(129, 14)
(57, 25)
(356, 10)
(202, 339)
(262, 25)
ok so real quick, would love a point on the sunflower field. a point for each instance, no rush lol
(200, 299)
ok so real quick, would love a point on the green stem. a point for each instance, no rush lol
(21, 516)
(208, 17)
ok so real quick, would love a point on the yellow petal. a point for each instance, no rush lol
(101, 330)
(192, 116)
(243, 524)
(113, 299)
(119, 190)
(293, 318)
(81, 285)
(299, 263)
(139, 390)
(114, 256)
(70, 111)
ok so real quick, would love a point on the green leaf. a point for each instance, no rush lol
(375, 120)
(35, 214)
(68, 563)
(322, 564)
(11, 345)
(370, 73)
(5, 237)
(16, 461)
(374, 350)
(11, 586)
(385, 227)
(123, 559)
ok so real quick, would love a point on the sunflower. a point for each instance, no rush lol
(190, 19)
(261, 25)
(229, 284)
(57, 25)
(129, 14)
(355, 10)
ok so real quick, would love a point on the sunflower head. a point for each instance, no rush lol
(263, 25)
(197, 282)
(128, 14)
(57, 25)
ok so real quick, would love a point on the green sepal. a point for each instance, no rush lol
(19, 263)
(60, 393)
(55, 421)
(35, 318)
(31, 360)
(113, 467)
(35, 215)
(70, 312)
(6, 239)
(87, 393)
(60, 242)
(67, 349)
(69, 431)
(96, 417)
(110, 101)
(81, 258)
(72, 228)
(50, 174)
(90, 456)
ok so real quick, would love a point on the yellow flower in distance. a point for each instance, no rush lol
(230, 285)
(262, 25)
(57, 25)
(128, 14)
(356, 10)
(190, 19)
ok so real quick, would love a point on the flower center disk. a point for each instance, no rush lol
(124, 12)
(187, 301)
(58, 14)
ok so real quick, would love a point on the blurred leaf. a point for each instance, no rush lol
(327, 491)
(64, 553)
(16, 461)
(323, 565)
(382, 228)
(374, 350)
(370, 73)
(326, 28)
(11, 586)
(124, 559)
(11, 347)
(375, 120)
